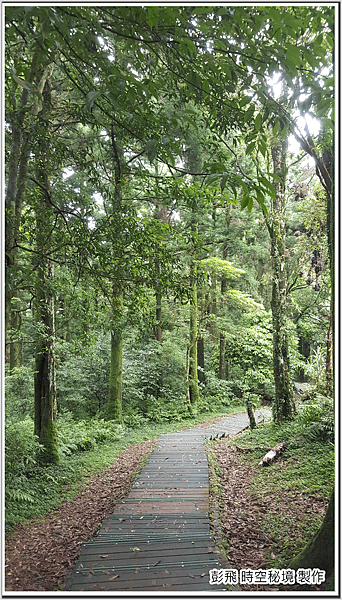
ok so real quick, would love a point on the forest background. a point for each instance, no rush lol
(169, 225)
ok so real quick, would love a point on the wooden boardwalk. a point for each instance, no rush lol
(158, 538)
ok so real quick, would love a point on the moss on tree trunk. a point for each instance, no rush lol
(114, 404)
(193, 364)
(283, 406)
(200, 359)
(44, 308)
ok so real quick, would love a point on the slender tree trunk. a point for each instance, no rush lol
(213, 311)
(114, 404)
(329, 361)
(44, 313)
(193, 364)
(158, 330)
(222, 355)
(187, 383)
(16, 186)
(328, 160)
(222, 362)
(113, 408)
(200, 359)
(15, 341)
(283, 407)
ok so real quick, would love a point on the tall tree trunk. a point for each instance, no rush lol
(213, 310)
(223, 364)
(328, 160)
(187, 383)
(15, 341)
(44, 313)
(114, 404)
(222, 358)
(200, 359)
(16, 185)
(329, 360)
(193, 364)
(222, 350)
(158, 317)
(161, 215)
(113, 408)
(283, 406)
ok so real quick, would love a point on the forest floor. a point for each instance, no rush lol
(239, 524)
(40, 553)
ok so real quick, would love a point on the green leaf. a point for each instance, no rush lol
(276, 127)
(249, 113)
(262, 148)
(90, 99)
(244, 100)
(258, 122)
(244, 201)
(206, 86)
(151, 149)
(212, 178)
(250, 148)
(223, 181)
(268, 185)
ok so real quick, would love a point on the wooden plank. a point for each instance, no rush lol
(123, 555)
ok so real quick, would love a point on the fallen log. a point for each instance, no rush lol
(273, 454)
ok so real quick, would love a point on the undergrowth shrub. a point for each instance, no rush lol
(75, 436)
(159, 410)
(153, 379)
(82, 379)
(19, 392)
(317, 419)
(21, 448)
(219, 392)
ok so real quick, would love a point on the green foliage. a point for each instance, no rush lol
(318, 419)
(80, 436)
(19, 392)
(224, 268)
(82, 378)
(220, 393)
(306, 468)
(159, 410)
(315, 368)
(21, 446)
(153, 371)
(250, 349)
(21, 455)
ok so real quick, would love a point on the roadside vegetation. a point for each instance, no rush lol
(287, 499)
